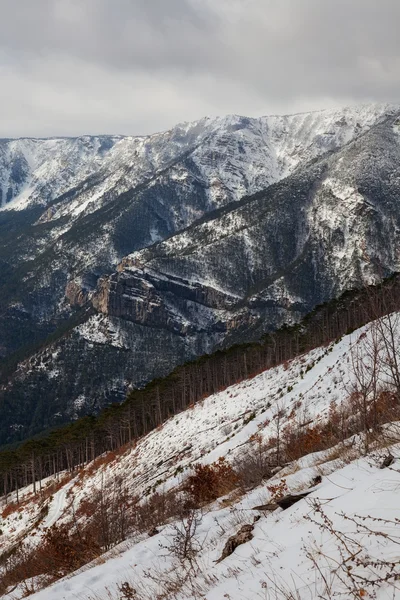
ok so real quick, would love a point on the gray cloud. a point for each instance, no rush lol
(137, 66)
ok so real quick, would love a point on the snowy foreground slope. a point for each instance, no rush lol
(276, 557)
(289, 553)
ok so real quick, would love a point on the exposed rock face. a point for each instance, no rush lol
(153, 232)
(172, 303)
(290, 499)
(75, 294)
(243, 536)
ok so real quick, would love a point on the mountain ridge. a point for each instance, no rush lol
(65, 254)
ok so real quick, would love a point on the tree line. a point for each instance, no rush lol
(73, 446)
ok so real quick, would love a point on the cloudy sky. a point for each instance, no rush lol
(70, 67)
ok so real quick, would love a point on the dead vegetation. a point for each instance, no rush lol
(209, 482)
(351, 565)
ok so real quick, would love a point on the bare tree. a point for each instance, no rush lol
(278, 421)
(389, 330)
(365, 356)
(185, 543)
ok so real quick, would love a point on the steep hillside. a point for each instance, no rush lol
(87, 202)
(331, 527)
(225, 269)
(330, 226)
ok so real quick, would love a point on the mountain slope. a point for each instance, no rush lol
(229, 269)
(237, 423)
(332, 225)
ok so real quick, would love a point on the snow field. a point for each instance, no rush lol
(218, 427)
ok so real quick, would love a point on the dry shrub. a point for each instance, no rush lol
(109, 513)
(342, 422)
(298, 440)
(86, 508)
(298, 443)
(13, 507)
(209, 482)
(157, 510)
(387, 407)
(60, 552)
(278, 490)
(100, 523)
(127, 591)
(10, 508)
(112, 513)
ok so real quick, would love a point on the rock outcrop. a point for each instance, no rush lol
(243, 536)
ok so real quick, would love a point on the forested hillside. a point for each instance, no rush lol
(123, 257)
(246, 486)
(76, 445)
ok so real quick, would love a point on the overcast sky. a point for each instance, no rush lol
(70, 67)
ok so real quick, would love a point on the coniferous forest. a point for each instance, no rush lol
(73, 446)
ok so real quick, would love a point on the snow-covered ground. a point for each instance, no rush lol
(280, 555)
(286, 546)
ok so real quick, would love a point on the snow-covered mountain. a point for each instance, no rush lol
(333, 224)
(35, 171)
(233, 154)
(181, 242)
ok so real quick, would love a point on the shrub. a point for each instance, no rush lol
(298, 443)
(60, 552)
(9, 509)
(278, 490)
(157, 510)
(209, 482)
